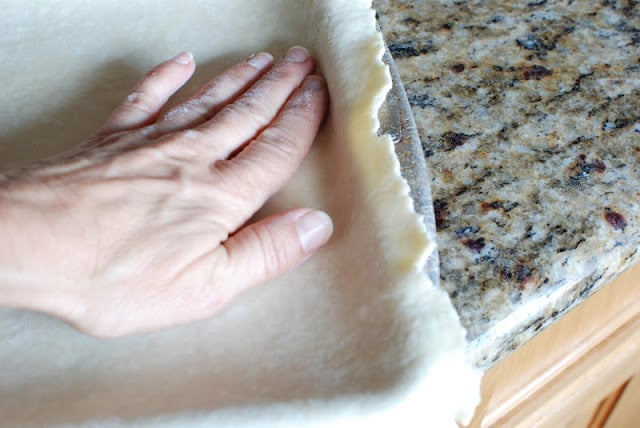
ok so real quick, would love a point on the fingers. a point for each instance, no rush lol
(274, 245)
(243, 119)
(269, 161)
(220, 91)
(150, 94)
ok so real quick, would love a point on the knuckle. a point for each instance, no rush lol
(154, 72)
(242, 73)
(304, 106)
(138, 159)
(253, 103)
(188, 134)
(229, 81)
(283, 72)
(280, 143)
(140, 101)
(247, 108)
(177, 113)
(207, 100)
(272, 255)
(180, 146)
(195, 111)
(190, 113)
(205, 106)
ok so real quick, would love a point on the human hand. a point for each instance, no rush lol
(141, 226)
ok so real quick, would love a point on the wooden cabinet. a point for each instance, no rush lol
(584, 371)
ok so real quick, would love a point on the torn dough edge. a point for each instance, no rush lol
(438, 374)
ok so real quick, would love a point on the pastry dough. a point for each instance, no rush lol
(357, 336)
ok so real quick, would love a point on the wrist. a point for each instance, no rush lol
(19, 285)
(13, 281)
(32, 263)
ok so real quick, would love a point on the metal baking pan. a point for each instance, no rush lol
(397, 120)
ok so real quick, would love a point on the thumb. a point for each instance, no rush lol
(272, 246)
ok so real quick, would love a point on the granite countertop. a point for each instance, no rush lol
(529, 117)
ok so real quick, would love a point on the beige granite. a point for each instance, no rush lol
(529, 117)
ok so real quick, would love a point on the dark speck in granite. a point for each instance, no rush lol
(529, 117)
(457, 68)
(454, 139)
(615, 219)
(409, 48)
(536, 72)
(475, 245)
(421, 100)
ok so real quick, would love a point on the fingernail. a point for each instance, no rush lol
(297, 54)
(183, 58)
(314, 229)
(260, 60)
(313, 83)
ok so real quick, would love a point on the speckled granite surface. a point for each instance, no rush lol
(529, 116)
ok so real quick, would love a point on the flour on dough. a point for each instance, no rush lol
(357, 336)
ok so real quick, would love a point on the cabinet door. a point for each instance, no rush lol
(567, 370)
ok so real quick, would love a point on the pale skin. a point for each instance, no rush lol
(142, 226)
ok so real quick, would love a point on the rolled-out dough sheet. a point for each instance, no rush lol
(357, 336)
